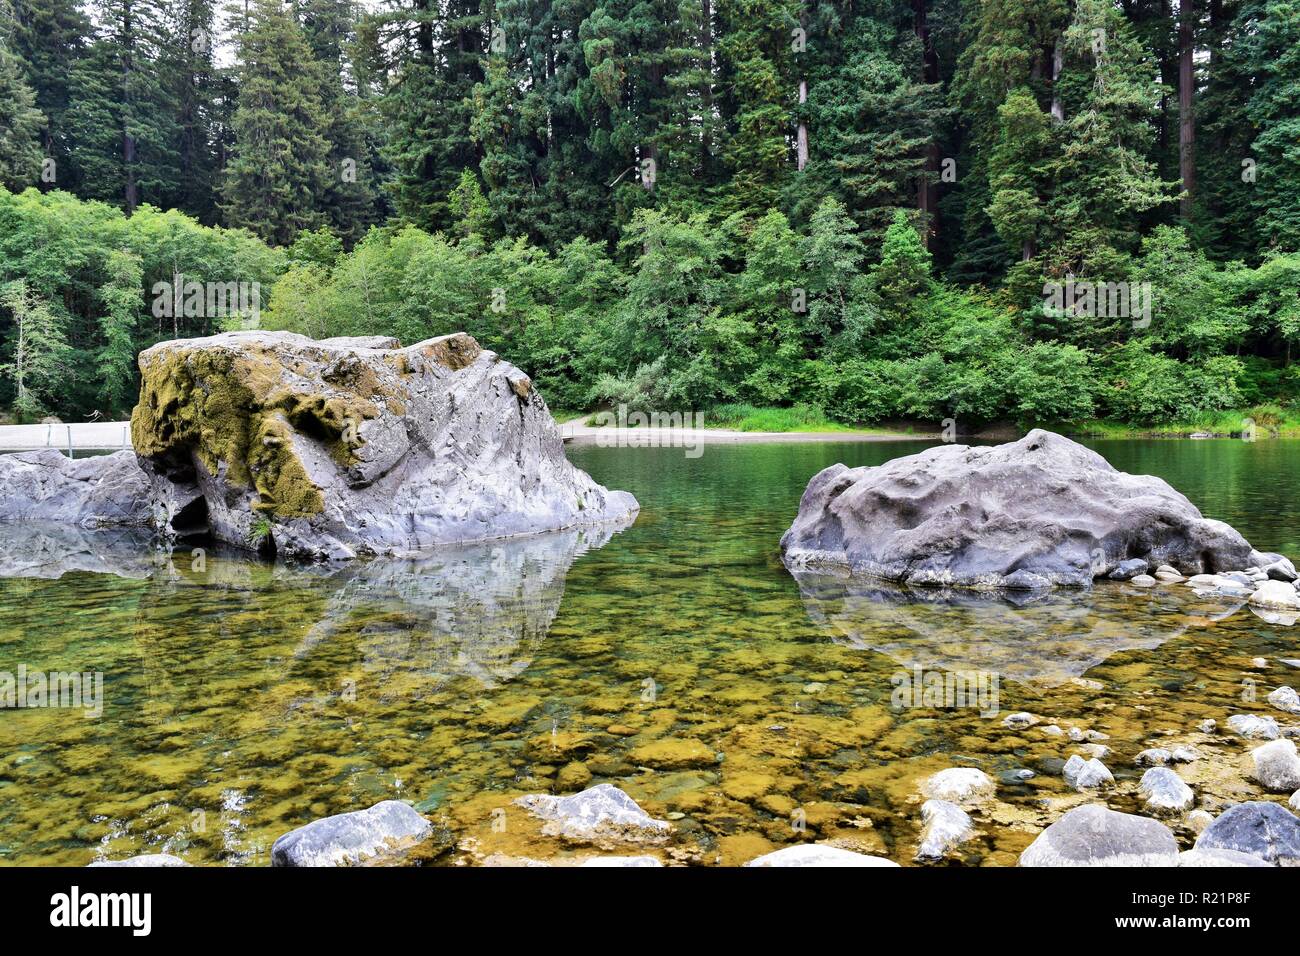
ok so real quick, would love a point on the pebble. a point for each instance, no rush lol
(1086, 774)
(1165, 791)
(1277, 766)
(1254, 727)
(1142, 580)
(1285, 698)
(1198, 820)
(1019, 720)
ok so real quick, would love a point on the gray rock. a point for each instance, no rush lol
(1092, 835)
(346, 839)
(1276, 766)
(1142, 580)
(1239, 578)
(1165, 791)
(1128, 569)
(1275, 594)
(979, 516)
(1019, 720)
(1294, 802)
(103, 491)
(961, 785)
(40, 550)
(817, 854)
(1254, 727)
(1184, 755)
(1086, 774)
(145, 860)
(1198, 820)
(1285, 698)
(1216, 857)
(339, 448)
(1274, 565)
(1266, 830)
(944, 826)
(599, 813)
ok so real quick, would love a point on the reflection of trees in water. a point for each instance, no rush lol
(1040, 637)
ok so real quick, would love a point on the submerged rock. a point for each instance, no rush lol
(944, 826)
(602, 812)
(1259, 828)
(102, 491)
(1165, 791)
(817, 854)
(961, 785)
(1154, 757)
(1092, 835)
(1254, 727)
(1040, 511)
(341, 447)
(347, 839)
(1276, 766)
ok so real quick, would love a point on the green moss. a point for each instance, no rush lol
(235, 408)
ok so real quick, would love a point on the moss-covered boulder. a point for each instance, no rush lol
(348, 446)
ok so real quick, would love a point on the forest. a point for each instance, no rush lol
(858, 210)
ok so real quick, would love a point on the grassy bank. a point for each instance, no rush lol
(1271, 421)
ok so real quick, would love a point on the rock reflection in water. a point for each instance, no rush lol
(1041, 637)
(471, 610)
(30, 550)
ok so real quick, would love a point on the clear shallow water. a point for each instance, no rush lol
(677, 659)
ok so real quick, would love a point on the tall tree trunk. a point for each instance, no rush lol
(1186, 107)
(803, 126)
(926, 191)
(706, 87)
(1058, 62)
(132, 197)
(801, 143)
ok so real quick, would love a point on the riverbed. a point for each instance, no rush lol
(675, 658)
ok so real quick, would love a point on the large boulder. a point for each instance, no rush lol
(1093, 835)
(1259, 828)
(1032, 513)
(341, 447)
(101, 491)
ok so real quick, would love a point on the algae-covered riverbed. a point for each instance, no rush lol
(676, 659)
